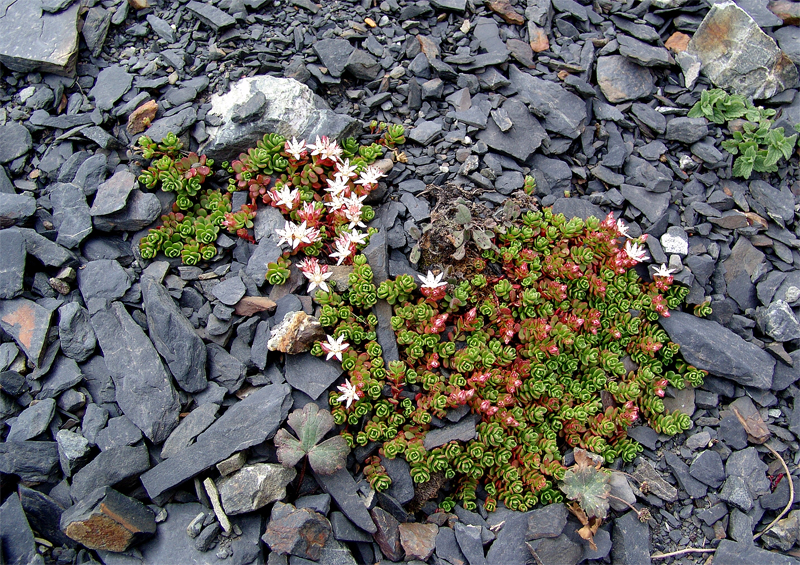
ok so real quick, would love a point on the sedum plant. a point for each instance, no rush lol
(553, 343)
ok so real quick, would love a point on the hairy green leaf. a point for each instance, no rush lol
(311, 424)
(589, 487)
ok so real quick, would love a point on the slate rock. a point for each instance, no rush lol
(788, 38)
(343, 489)
(631, 540)
(95, 29)
(44, 515)
(746, 553)
(249, 110)
(144, 391)
(63, 374)
(300, 532)
(577, 208)
(509, 547)
(620, 79)
(90, 174)
(736, 493)
(229, 291)
(292, 110)
(643, 53)
(362, 65)
(564, 113)
(16, 537)
(56, 48)
(12, 268)
(108, 520)
(680, 470)
(524, 137)
(141, 210)
(111, 84)
(686, 130)
(174, 337)
(312, 375)
(546, 522)
(425, 132)
(210, 15)
(387, 535)
(119, 431)
(70, 214)
(345, 530)
(75, 332)
(748, 465)
(102, 282)
(175, 123)
(469, 541)
(33, 421)
(28, 323)
(15, 209)
(171, 539)
(652, 204)
(15, 141)
(452, 5)
(197, 421)
(334, 55)
(738, 56)
(562, 550)
(707, 468)
(112, 195)
(253, 487)
(73, 451)
(110, 468)
(711, 347)
(402, 487)
(464, 430)
(245, 424)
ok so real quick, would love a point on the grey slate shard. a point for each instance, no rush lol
(343, 489)
(211, 15)
(15, 208)
(34, 461)
(15, 141)
(620, 79)
(174, 337)
(190, 427)
(56, 47)
(464, 430)
(509, 547)
(709, 346)
(112, 195)
(111, 84)
(652, 204)
(144, 391)
(70, 214)
(524, 137)
(27, 322)
(109, 468)
(564, 113)
(12, 267)
(16, 537)
(141, 210)
(63, 374)
(312, 375)
(245, 424)
(33, 421)
(101, 282)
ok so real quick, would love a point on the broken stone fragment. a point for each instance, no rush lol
(296, 333)
(737, 55)
(300, 532)
(108, 520)
(254, 487)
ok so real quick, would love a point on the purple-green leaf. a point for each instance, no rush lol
(589, 487)
(311, 424)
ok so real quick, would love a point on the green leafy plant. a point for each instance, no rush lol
(756, 143)
(528, 344)
(311, 425)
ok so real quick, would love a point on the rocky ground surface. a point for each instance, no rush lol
(155, 379)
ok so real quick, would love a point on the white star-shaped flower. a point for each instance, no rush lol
(342, 252)
(622, 229)
(337, 201)
(349, 393)
(357, 237)
(317, 275)
(370, 175)
(663, 271)
(432, 281)
(335, 347)
(352, 210)
(325, 148)
(636, 251)
(346, 170)
(337, 187)
(285, 197)
(295, 148)
(294, 235)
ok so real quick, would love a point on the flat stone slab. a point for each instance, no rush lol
(245, 424)
(27, 323)
(31, 39)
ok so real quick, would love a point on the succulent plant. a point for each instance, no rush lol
(311, 425)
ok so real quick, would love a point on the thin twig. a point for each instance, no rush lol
(791, 494)
(683, 552)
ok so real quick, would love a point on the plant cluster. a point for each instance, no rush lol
(758, 145)
(320, 188)
(554, 344)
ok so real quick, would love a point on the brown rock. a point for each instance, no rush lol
(539, 41)
(250, 305)
(141, 118)
(139, 4)
(418, 540)
(296, 333)
(789, 12)
(108, 520)
(341, 276)
(388, 535)
(428, 46)
(505, 10)
(677, 42)
(300, 532)
(28, 323)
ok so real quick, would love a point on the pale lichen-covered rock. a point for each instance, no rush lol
(296, 333)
